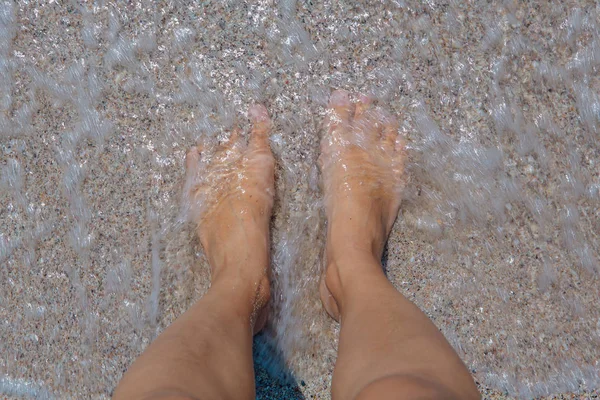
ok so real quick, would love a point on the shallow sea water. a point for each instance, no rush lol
(497, 240)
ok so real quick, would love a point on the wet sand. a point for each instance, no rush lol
(497, 240)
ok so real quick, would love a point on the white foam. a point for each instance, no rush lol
(23, 388)
(464, 179)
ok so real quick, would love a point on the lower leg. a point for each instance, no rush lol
(388, 348)
(206, 353)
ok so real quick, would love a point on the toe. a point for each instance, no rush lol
(390, 131)
(340, 103)
(399, 156)
(192, 159)
(400, 145)
(366, 121)
(235, 136)
(324, 156)
(364, 103)
(400, 152)
(261, 125)
(192, 167)
(226, 144)
(341, 111)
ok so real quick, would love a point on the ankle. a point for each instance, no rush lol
(347, 245)
(246, 285)
(234, 240)
(356, 237)
(348, 272)
(350, 258)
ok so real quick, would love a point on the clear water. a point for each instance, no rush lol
(498, 237)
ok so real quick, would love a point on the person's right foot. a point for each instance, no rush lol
(362, 165)
(229, 195)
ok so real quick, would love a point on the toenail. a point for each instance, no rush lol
(340, 98)
(363, 98)
(258, 113)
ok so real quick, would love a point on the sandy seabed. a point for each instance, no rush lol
(497, 240)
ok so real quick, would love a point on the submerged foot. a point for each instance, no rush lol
(362, 165)
(229, 195)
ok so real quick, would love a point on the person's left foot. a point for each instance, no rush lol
(229, 195)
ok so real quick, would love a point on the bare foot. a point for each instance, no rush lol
(362, 164)
(229, 195)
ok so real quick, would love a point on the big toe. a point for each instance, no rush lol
(340, 103)
(261, 126)
(192, 159)
(390, 131)
(366, 124)
(340, 113)
(363, 104)
(192, 171)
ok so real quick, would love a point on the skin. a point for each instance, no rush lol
(388, 348)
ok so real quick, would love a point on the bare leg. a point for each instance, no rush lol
(388, 348)
(207, 352)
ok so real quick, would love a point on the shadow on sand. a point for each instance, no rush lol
(273, 380)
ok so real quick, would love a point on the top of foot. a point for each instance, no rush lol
(236, 176)
(362, 159)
